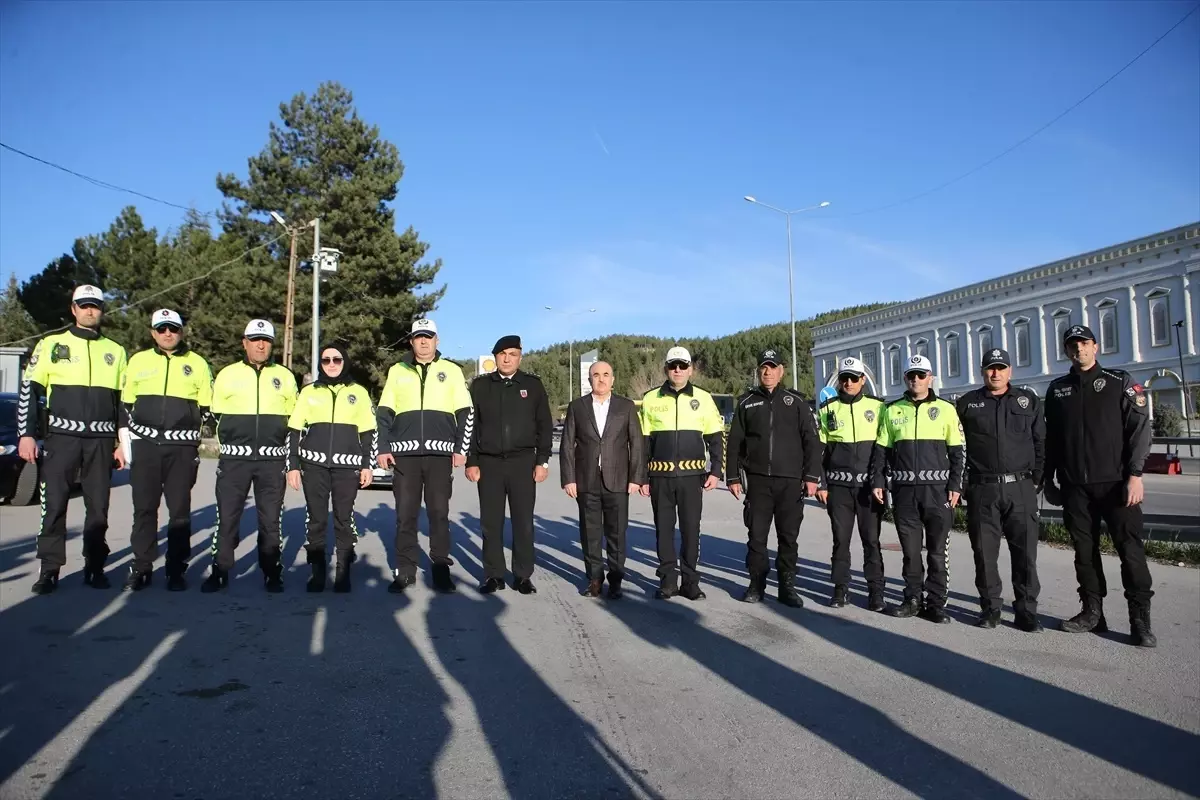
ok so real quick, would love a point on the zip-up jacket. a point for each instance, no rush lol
(333, 426)
(166, 395)
(773, 433)
(79, 372)
(425, 409)
(849, 426)
(679, 427)
(1004, 434)
(512, 417)
(920, 443)
(1097, 428)
(252, 405)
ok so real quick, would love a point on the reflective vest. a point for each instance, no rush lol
(849, 427)
(252, 406)
(923, 443)
(80, 373)
(333, 425)
(676, 426)
(420, 407)
(166, 395)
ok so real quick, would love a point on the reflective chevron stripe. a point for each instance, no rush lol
(347, 459)
(682, 466)
(272, 452)
(182, 436)
(921, 476)
(143, 431)
(839, 476)
(406, 446)
(439, 445)
(313, 456)
(236, 450)
(468, 430)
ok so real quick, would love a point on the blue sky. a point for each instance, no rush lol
(595, 155)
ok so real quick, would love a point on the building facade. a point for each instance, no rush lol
(1141, 298)
(12, 365)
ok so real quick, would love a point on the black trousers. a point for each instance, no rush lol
(769, 498)
(234, 479)
(845, 505)
(683, 495)
(158, 470)
(923, 517)
(66, 459)
(1009, 511)
(1083, 509)
(608, 513)
(511, 480)
(320, 485)
(433, 478)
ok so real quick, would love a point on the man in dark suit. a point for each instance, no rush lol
(602, 463)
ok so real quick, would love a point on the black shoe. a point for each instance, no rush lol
(176, 582)
(95, 578)
(1028, 623)
(401, 582)
(787, 591)
(753, 594)
(341, 572)
(839, 597)
(594, 587)
(988, 619)
(1091, 618)
(217, 579)
(136, 580)
(614, 588)
(316, 582)
(442, 581)
(46, 583)
(524, 586)
(692, 591)
(875, 602)
(492, 585)
(274, 580)
(1139, 628)
(909, 608)
(667, 588)
(935, 614)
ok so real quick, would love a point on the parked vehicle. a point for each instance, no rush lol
(18, 478)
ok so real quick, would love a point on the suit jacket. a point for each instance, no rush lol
(611, 462)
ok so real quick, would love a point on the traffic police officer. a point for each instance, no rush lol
(1005, 440)
(425, 421)
(252, 400)
(920, 443)
(79, 372)
(680, 421)
(849, 425)
(774, 440)
(1098, 437)
(509, 456)
(168, 391)
(331, 439)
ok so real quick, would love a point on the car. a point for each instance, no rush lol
(18, 478)
(556, 436)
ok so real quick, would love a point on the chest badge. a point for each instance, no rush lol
(524, 393)
(933, 412)
(1023, 402)
(110, 359)
(278, 384)
(1099, 384)
(869, 415)
(788, 399)
(352, 399)
(442, 377)
(695, 404)
(187, 369)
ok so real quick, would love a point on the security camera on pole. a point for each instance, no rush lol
(324, 259)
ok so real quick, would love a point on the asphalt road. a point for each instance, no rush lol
(1172, 494)
(244, 694)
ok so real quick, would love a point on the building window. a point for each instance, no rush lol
(894, 365)
(828, 365)
(921, 348)
(1021, 337)
(985, 339)
(1160, 318)
(953, 362)
(870, 361)
(1062, 321)
(1109, 342)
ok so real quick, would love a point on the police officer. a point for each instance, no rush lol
(849, 425)
(920, 444)
(509, 456)
(1098, 437)
(252, 400)
(331, 438)
(425, 422)
(680, 422)
(1005, 440)
(168, 391)
(79, 373)
(774, 440)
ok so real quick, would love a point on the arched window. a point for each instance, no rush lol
(953, 356)
(1109, 340)
(1021, 340)
(1160, 317)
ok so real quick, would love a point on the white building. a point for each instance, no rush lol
(12, 364)
(1141, 298)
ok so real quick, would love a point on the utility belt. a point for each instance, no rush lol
(1008, 477)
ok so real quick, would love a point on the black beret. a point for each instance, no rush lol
(505, 342)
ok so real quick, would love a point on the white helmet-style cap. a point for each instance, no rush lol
(165, 316)
(678, 354)
(260, 329)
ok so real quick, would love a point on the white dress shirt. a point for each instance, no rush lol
(600, 410)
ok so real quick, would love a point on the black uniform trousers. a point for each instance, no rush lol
(606, 513)
(158, 470)
(66, 459)
(683, 495)
(433, 478)
(234, 479)
(1009, 511)
(845, 505)
(507, 479)
(320, 485)
(924, 517)
(770, 498)
(1083, 508)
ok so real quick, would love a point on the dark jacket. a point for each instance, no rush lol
(610, 462)
(1003, 435)
(1097, 428)
(774, 433)
(512, 417)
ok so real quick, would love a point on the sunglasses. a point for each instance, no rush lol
(331, 359)
(916, 376)
(848, 378)
(679, 366)
(167, 329)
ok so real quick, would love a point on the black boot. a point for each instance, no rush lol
(667, 588)
(273, 577)
(341, 574)
(1091, 618)
(442, 581)
(839, 596)
(875, 601)
(936, 613)
(400, 582)
(137, 580)
(175, 579)
(1139, 628)
(756, 589)
(316, 559)
(909, 608)
(217, 579)
(988, 619)
(93, 574)
(46, 583)
(787, 592)
(692, 591)
(1028, 622)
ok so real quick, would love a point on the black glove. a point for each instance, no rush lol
(1052, 494)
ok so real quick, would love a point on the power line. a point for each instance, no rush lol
(1023, 141)
(100, 183)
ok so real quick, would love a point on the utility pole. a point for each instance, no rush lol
(290, 324)
(1186, 405)
(316, 309)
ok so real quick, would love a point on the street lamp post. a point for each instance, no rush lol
(570, 346)
(1186, 405)
(791, 291)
